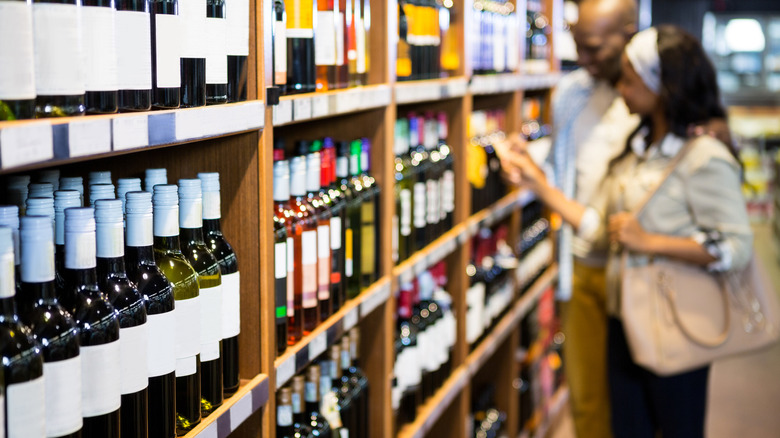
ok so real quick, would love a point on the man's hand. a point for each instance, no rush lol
(517, 166)
(624, 229)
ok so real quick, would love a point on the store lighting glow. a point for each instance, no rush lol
(745, 35)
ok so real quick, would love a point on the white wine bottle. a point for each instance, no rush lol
(152, 177)
(193, 52)
(73, 183)
(166, 54)
(216, 52)
(17, 77)
(134, 49)
(9, 217)
(238, 49)
(98, 36)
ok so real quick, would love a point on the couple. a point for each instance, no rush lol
(698, 215)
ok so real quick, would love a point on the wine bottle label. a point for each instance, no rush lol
(367, 241)
(17, 77)
(335, 233)
(57, 43)
(418, 213)
(101, 384)
(323, 265)
(168, 48)
(166, 221)
(231, 305)
(300, 17)
(7, 282)
(216, 51)
(80, 250)
(280, 279)
(413, 366)
(63, 405)
(193, 28)
(280, 52)
(132, 355)
(191, 213)
(140, 231)
(309, 265)
(238, 28)
(161, 351)
(110, 240)
(210, 322)
(310, 392)
(134, 43)
(448, 191)
(354, 164)
(340, 39)
(432, 197)
(297, 405)
(348, 261)
(99, 49)
(325, 38)
(360, 45)
(25, 403)
(212, 203)
(290, 278)
(187, 335)
(405, 225)
(284, 416)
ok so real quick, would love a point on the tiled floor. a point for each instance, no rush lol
(744, 392)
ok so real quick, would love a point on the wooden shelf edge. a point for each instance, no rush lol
(251, 396)
(45, 142)
(436, 405)
(298, 356)
(314, 106)
(430, 90)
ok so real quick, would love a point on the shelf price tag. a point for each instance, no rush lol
(240, 411)
(318, 345)
(211, 431)
(350, 319)
(421, 266)
(378, 298)
(89, 137)
(456, 88)
(347, 101)
(302, 108)
(320, 106)
(131, 132)
(25, 144)
(285, 371)
(283, 113)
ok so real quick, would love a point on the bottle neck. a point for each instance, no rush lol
(80, 277)
(113, 266)
(167, 243)
(192, 235)
(212, 226)
(136, 256)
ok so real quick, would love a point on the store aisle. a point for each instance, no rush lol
(745, 391)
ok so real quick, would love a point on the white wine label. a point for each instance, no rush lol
(231, 305)
(280, 52)
(7, 282)
(25, 403)
(349, 260)
(209, 351)
(323, 242)
(186, 366)
(132, 354)
(211, 205)
(448, 191)
(191, 213)
(238, 28)
(193, 28)
(38, 262)
(335, 232)
(187, 328)
(290, 277)
(110, 240)
(57, 42)
(432, 198)
(216, 51)
(80, 250)
(210, 321)
(17, 77)
(167, 42)
(140, 231)
(413, 366)
(98, 36)
(101, 384)
(360, 44)
(325, 38)
(309, 248)
(419, 210)
(309, 268)
(406, 212)
(284, 415)
(63, 405)
(134, 43)
(166, 221)
(280, 261)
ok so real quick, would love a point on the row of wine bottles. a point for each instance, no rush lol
(487, 421)
(535, 248)
(120, 318)
(326, 220)
(320, 46)
(74, 57)
(426, 47)
(486, 128)
(538, 32)
(535, 116)
(426, 333)
(424, 182)
(496, 41)
(330, 399)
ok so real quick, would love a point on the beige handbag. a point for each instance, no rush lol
(678, 317)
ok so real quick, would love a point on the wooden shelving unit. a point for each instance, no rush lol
(237, 140)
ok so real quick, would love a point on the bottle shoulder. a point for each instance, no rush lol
(55, 330)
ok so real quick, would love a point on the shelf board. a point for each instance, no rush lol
(298, 356)
(433, 409)
(430, 90)
(495, 84)
(540, 81)
(250, 397)
(27, 143)
(310, 106)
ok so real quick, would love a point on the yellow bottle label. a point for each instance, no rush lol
(300, 14)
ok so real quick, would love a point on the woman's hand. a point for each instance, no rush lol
(624, 229)
(518, 167)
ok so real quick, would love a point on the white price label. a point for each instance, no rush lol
(283, 113)
(347, 101)
(25, 144)
(285, 371)
(320, 106)
(350, 319)
(240, 411)
(190, 123)
(131, 132)
(378, 298)
(302, 109)
(89, 137)
(318, 345)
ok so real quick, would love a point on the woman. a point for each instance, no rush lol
(697, 216)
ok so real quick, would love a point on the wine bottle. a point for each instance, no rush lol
(342, 416)
(129, 303)
(283, 277)
(17, 78)
(418, 161)
(320, 426)
(63, 199)
(369, 213)
(322, 216)
(52, 328)
(348, 389)
(302, 425)
(210, 284)
(17, 189)
(301, 71)
(325, 44)
(126, 185)
(98, 36)
(433, 173)
(154, 177)
(402, 221)
(100, 177)
(9, 217)
(279, 47)
(353, 223)
(237, 49)
(284, 414)
(98, 325)
(216, 52)
(231, 279)
(165, 29)
(161, 318)
(51, 176)
(362, 42)
(59, 80)
(337, 221)
(22, 360)
(100, 191)
(359, 380)
(303, 228)
(410, 368)
(342, 63)
(167, 253)
(40, 190)
(73, 183)
(447, 181)
(352, 13)
(403, 62)
(361, 193)
(193, 53)
(134, 49)
(41, 207)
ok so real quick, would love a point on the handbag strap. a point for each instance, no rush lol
(667, 173)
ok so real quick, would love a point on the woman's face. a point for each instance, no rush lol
(639, 99)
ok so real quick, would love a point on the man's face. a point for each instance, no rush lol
(599, 46)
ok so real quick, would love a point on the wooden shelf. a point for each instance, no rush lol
(310, 106)
(298, 356)
(250, 397)
(47, 142)
(430, 90)
(540, 81)
(553, 410)
(433, 409)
